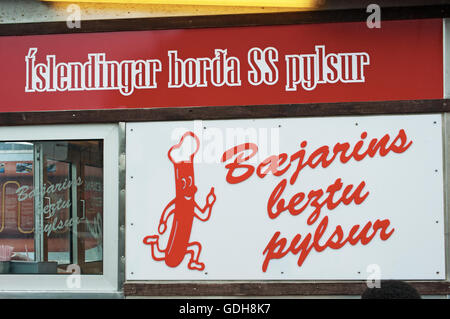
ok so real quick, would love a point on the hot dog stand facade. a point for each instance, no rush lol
(286, 154)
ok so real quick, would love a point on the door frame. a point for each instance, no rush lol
(108, 281)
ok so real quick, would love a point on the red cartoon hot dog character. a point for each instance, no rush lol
(183, 208)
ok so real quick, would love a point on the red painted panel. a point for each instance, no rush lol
(400, 61)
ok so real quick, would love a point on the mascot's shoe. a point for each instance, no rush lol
(196, 265)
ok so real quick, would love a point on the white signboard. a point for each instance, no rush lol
(342, 198)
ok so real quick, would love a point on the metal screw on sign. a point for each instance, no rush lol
(374, 19)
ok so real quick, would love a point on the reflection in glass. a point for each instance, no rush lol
(51, 206)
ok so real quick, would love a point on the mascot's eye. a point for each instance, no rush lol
(190, 180)
(184, 182)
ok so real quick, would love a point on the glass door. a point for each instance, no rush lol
(52, 206)
(59, 208)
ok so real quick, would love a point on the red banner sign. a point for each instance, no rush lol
(340, 62)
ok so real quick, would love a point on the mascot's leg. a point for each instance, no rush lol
(157, 253)
(194, 250)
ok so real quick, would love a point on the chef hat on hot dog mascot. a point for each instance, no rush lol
(182, 157)
(185, 150)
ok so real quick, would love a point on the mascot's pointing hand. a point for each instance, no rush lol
(211, 198)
